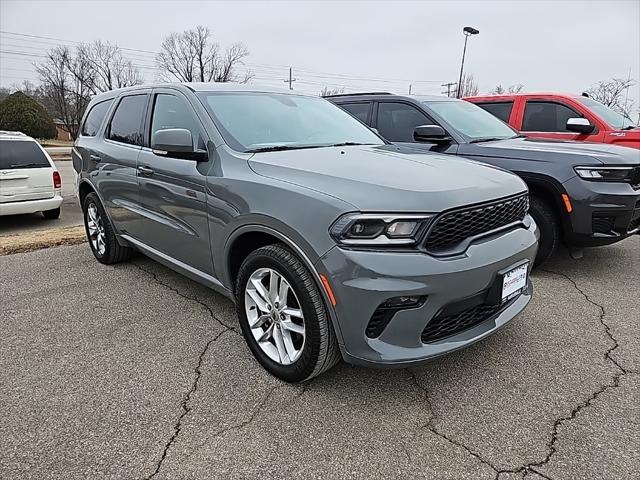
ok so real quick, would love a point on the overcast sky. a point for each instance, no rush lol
(384, 45)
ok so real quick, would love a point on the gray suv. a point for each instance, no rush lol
(332, 243)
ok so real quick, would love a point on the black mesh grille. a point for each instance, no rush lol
(635, 177)
(453, 227)
(602, 224)
(444, 326)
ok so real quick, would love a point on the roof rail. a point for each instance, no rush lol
(356, 94)
(12, 134)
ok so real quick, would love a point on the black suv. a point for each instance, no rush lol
(582, 194)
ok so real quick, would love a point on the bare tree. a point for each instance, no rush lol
(104, 68)
(193, 56)
(326, 91)
(64, 87)
(613, 93)
(469, 86)
(499, 89)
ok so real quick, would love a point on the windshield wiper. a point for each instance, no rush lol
(280, 148)
(630, 127)
(486, 139)
(26, 165)
(349, 144)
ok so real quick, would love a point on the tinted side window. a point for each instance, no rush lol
(502, 110)
(94, 118)
(546, 117)
(126, 123)
(396, 121)
(170, 111)
(358, 110)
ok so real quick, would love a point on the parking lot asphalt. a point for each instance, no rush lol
(132, 371)
(70, 214)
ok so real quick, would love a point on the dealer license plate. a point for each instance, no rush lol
(514, 282)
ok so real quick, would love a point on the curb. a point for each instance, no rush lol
(39, 239)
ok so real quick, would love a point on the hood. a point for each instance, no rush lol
(624, 138)
(381, 179)
(545, 150)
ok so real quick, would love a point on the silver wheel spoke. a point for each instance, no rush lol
(259, 301)
(282, 353)
(292, 327)
(273, 285)
(288, 343)
(260, 321)
(293, 312)
(283, 291)
(259, 287)
(268, 333)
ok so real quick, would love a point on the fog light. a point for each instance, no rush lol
(403, 302)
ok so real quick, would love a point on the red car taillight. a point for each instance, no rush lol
(57, 181)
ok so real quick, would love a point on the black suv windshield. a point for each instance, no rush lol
(253, 121)
(471, 120)
(613, 118)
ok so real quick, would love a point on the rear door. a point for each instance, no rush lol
(172, 190)
(25, 171)
(112, 163)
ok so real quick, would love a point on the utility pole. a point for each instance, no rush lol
(410, 89)
(450, 86)
(291, 79)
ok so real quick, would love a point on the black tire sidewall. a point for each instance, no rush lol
(548, 226)
(303, 367)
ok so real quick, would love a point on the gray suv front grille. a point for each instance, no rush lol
(453, 227)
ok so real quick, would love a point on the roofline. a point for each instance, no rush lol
(356, 94)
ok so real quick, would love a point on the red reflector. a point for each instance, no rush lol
(57, 181)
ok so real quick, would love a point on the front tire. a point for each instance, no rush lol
(283, 317)
(547, 222)
(100, 233)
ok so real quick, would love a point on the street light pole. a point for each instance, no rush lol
(467, 31)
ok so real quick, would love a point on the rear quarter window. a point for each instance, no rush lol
(502, 110)
(94, 119)
(21, 154)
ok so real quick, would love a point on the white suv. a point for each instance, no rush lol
(29, 180)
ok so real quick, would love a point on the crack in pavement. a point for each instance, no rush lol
(551, 445)
(194, 298)
(186, 408)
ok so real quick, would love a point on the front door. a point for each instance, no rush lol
(171, 191)
(548, 119)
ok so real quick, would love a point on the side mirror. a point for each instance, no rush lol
(431, 134)
(579, 125)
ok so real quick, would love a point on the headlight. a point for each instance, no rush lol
(605, 174)
(360, 229)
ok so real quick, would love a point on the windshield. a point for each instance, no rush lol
(253, 121)
(613, 118)
(21, 154)
(471, 120)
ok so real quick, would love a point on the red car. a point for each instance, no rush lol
(562, 116)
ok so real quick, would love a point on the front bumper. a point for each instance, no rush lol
(30, 206)
(363, 280)
(603, 212)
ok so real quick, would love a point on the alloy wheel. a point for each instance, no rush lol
(96, 229)
(275, 316)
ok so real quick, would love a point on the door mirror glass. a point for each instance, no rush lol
(431, 134)
(579, 125)
(171, 141)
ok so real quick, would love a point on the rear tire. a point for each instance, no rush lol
(100, 233)
(315, 347)
(51, 214)
(549, 228)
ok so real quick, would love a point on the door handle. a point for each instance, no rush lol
(146, 171)
(95, 158)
